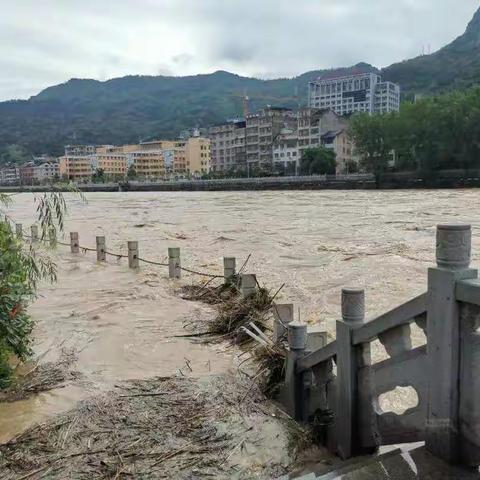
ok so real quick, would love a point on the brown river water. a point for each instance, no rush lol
(122, 324)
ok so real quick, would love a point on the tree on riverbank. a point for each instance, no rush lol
(22, 266)
(317, 161)
(431, 134)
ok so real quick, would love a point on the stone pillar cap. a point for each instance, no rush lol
(454, 226)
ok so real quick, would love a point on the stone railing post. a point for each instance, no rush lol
(34, 233)
(101, 249)
(229, 266)
(282, 317)
(19, 230)
(74, 242)
(133, 261)
(52, 237)
(353, 316)
(248, 284)
(297, 342)
(453, 252)
(174, 264)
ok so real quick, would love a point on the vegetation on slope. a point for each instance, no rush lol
(455, 66)
(441, 132)
(130, 109)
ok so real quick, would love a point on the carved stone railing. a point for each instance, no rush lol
(340, 378)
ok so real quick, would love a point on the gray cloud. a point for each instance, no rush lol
(48, 42)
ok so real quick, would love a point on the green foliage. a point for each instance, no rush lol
(131, 173)
(99, 176)
(22, 267)
(456, 66)
(317, 161)
(371, 135)
(15, 291)
(16, 154)
(434, 133)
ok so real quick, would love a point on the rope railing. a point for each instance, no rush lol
(173, 263)
(151, 262)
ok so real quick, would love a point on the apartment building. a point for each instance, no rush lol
(112, 160)
(313, 123)
(315, 128)
(10, 175)
(27, 173)
(76, 168)
(364, 92)
(148, 165)
(157, 145)
(47, 171)
(286, 153)
(179, 162)
(340, 143)
(79, 150)
(197, 156)
(227, 145)
(262, 128)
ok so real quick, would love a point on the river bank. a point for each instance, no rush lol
(451, 179)
(165, 427)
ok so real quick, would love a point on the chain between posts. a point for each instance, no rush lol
(150, 262)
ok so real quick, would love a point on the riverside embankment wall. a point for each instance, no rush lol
(404, 180)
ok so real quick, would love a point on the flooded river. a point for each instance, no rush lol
(122, 324)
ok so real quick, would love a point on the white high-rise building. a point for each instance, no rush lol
(365, 92)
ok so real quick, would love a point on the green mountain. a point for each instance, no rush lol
(455, 66)
(134, 108)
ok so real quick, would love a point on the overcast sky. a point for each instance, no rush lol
(46, 42)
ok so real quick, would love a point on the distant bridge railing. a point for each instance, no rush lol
(340, 378)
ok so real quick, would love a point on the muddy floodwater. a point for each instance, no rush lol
(122, 325)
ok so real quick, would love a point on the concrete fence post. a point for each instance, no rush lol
(282, 317)
(229, 268)
(297, 342)
(453, 253)
(133, 254)
(52, 236)
(101, 249)
(353, 316)
(74, 242)
(19, 230)
(174, 263)
(248, 284)
(34, 233)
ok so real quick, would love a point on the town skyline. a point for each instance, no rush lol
(38, 56)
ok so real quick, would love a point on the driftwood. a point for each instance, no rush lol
(158, 428)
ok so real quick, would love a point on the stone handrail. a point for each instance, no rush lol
(401, 315)
(318, 356)
(340, 380)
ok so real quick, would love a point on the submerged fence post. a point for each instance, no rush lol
(52, 235)
(34, 233)
(229, 267)
(74, 243)
(101, 249)
(297, 341)
(19, 230)
(174, 264)
(353, 316)
(283, 316)
(248, 284)
(453, 252)
(133, 254)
